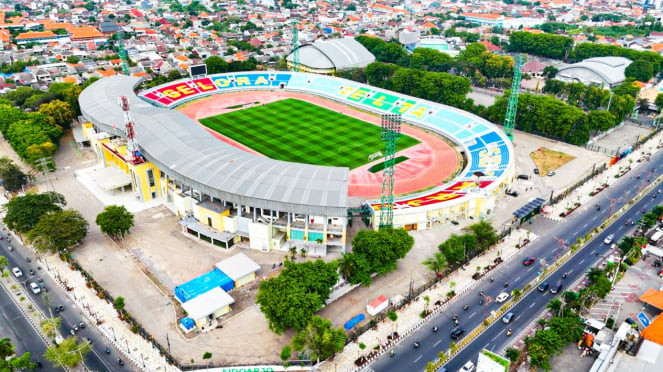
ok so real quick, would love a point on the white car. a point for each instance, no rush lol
(502, 297)
(468, 367)
(608, 239)
(35, 288)
(17, 272)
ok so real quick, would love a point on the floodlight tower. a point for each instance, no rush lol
(391, 131)
(295, 46)
(512, 108)
(132, 145)
(123, 53)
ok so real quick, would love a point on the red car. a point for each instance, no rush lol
(528, 261)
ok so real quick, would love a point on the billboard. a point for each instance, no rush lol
(198, 70)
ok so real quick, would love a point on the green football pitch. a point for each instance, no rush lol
(301, 132)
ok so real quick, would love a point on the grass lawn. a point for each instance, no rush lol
(301, 132)
(547, 159)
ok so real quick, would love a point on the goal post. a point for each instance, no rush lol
(374, 156)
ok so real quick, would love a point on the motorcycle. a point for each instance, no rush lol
(434, 329)
(480, 302)
(108, 351)
(466, 307)
(509, 332)
(120, 362)
(392, 353)
(416, 344)
(564, 276)
(506, 284)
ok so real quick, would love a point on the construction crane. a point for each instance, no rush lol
(391, 131)
(295, 46)
(512, 108)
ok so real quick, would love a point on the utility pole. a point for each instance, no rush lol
(561, 246)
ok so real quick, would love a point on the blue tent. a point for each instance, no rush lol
(197, 286)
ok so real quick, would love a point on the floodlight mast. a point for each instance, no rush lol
(391, 132)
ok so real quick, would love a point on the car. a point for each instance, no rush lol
(608, 239)
(501, 297)
(529, 260)
(457, 332)
(507, 318)
(536, 170)
(35, 288)
(556, 288)
(513, 193)
(543, 287)
(17, 272)
(522, 177)
(468, 367)
(550, 173)
(27, 259)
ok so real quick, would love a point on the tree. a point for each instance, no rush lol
(286, 353)
(640, 70)
(4, 262)
(115, 221)
(9, 362)
(549, 72)
(319, 340)
(61, 112)
(23, 212)
(512, 354)
(69, 353)
(290, 299)
(643, 105)
(659, 102)
(383, 248)
(207, 355)
(119, 304)
(216, 65)
(12, 176)
(555, 305)
(355, 269)
(485, 234)
(600, 120)
(436, 263)
(58, 230)
(50, 326)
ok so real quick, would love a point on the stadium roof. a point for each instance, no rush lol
(187, 153)
(606, 71)
(340, 54)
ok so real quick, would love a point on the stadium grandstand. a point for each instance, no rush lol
(329, 56)
(225, 195)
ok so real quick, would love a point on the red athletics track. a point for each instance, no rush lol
(429, 163)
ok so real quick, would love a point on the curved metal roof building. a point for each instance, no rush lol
(602, 71)
(187, 153)
(336, 54)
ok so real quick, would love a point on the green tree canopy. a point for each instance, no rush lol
(57, 230)
(437, 262)
(69, 353)
(22, 213)
(318, 339)
(12, 176)
(290, 299)
(60, 111)
(115, 221)
(485, 234)
(383, 248)
(355, 269)
(216, 65)
(10, 362)
(641, 70)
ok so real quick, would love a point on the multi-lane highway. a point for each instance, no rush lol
(545, 249)
(22, 333)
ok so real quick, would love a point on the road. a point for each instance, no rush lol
(545, 249)
(97, 359)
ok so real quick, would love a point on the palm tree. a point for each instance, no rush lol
(293, 253)
(346, 266)
(69, 353)
(302, 253)
(542, 323)
(555, 305)
(436, 263)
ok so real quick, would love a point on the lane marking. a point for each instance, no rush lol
(517, 279)
(437, 343)
(532, 305)
(472, 315)
(416, 360)
(583, 260)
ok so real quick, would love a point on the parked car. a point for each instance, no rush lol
(35, 288)
(501, 297)
(17, 272)
(513, 193)
(536, 170)
(522, 177)
(507, 318)
(550, 174)
(529, 260)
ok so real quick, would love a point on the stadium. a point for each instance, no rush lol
(226, 192)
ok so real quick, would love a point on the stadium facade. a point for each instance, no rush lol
(332, 55)
(225, 195)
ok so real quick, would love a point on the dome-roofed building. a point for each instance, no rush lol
(329, 56)
(602, 71)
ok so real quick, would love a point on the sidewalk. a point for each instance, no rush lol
(136, 349)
